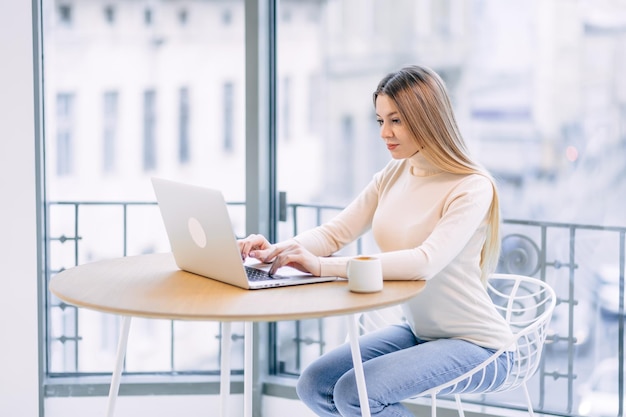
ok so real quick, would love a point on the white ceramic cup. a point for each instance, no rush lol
(365, 274)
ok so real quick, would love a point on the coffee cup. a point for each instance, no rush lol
(365, 274)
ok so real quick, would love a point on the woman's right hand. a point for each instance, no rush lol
(250, 243)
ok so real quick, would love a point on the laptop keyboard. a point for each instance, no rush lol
(255, 274)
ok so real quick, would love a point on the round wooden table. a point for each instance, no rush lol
(152, 286)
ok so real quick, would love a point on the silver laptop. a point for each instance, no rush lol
(203, 242)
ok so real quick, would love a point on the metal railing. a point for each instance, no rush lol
(584, 263)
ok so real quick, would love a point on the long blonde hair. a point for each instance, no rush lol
(422, 101)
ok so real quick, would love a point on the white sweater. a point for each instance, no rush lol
(429, 225)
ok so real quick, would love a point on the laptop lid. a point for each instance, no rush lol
(202, 239)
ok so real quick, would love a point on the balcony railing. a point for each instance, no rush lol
(584, 264)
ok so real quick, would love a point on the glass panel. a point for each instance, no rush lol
(135, 89)
(539, 97)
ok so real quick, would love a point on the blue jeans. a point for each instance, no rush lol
(397, 365)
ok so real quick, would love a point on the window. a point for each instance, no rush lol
(109, 14)
(442, 15)
(347, 169)
(184, 151)
(149, 130)
(228, 111)
(109, 131)
(286, 106)
(147, 17)
(227, 17)
(65, 14)
(115, 117)
(183, 16)
(65, 133)
(539, 108)
(314, 96)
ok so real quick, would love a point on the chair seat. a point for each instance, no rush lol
(526, 304)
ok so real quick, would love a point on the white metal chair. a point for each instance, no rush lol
(527, 305)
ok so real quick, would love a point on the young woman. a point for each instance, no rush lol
(434, 214)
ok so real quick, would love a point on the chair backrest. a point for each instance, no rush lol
(527, 305)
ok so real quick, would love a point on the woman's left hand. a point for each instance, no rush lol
(288, 253)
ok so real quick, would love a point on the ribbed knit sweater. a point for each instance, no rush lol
(429, 225)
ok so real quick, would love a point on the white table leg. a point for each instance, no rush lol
(119, 364)
(353, 335)
(248, 372)
(225, 368)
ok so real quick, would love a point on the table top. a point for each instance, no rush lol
(153, 286)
